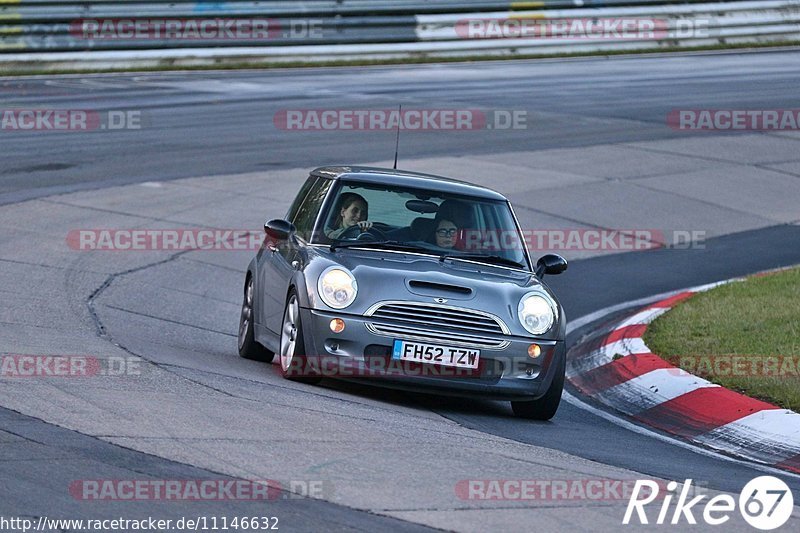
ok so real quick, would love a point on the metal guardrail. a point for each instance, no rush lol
(138, 30)
(53, 10)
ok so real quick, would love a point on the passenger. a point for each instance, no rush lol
(446, 233)
(353, 210)
(451, 217)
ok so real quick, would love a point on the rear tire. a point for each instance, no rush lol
(249, 348)
(293, 358)
(545, 407)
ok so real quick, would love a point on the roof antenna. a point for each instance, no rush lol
(397, 141)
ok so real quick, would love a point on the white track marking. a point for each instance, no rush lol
(630, 426)
(643, 317)
(767, 428)
(578, 323)
(605, 354)
(651, 389)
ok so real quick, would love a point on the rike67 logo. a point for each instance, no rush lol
(766, 503)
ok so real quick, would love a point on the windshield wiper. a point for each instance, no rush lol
(390, 245)
(494, 259)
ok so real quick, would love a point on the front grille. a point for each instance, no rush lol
(436, 323)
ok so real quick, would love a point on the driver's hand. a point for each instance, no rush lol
(364, 225)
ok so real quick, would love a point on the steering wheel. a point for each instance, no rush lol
(376, 232)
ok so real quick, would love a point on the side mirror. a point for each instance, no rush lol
(550, 264)
(279, 229)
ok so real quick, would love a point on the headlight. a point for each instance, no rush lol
(337, 287)
(537, 312)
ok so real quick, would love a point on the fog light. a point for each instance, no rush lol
(534, 351)
(337, 325)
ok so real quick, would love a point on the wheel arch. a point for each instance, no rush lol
(301, 287)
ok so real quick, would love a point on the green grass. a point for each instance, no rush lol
(238, 64)
(758, 318)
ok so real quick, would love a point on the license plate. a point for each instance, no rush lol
(435, 354)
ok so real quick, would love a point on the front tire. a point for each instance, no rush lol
(545, 407)
(249, 348)
(294, 360)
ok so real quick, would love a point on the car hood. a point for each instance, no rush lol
(385, 276)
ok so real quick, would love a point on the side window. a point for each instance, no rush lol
(307, 213)
(298, 200)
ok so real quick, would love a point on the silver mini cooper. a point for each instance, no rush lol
(408, 281)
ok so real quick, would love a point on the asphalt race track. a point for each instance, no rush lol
(571, 104)
(209, 154)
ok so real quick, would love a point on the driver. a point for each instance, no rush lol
(353, 210)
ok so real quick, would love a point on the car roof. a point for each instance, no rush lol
(387, 176)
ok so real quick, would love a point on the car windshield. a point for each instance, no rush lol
(448, 225)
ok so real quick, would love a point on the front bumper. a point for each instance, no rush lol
(360, 354)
